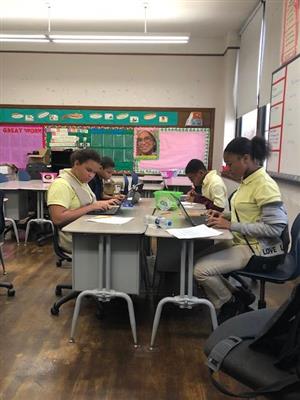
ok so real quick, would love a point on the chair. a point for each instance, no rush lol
(287, 270)
(6, 285)
(126, 185)
(23, 175)
(259, 370)
(62, 256)
(3, 178)
(134, 179)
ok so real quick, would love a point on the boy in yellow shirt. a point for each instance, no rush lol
(210, 189)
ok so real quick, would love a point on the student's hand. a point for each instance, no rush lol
(113, 202)
(219, 222)
(214, 213)
(101, 205)
(119, 197)
(191, 195)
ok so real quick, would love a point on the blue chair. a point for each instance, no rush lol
(126, 185)
(3, 178)
(286, 270)
(23, 175)
(134, 178)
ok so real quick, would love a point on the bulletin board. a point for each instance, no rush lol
(110, 131)
(284, 137)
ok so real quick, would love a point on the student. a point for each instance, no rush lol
(69, 196)
(213, 190)
(257, 221)
(104, 173)
(145, 143)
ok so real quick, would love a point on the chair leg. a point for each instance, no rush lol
(10, 289)
(56, 306)
(2, 261)
(14, 225)
(262, 302)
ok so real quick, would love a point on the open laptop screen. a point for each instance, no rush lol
(193, 220)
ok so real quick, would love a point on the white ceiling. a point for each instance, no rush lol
(203, 19)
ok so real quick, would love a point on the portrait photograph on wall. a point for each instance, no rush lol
(146, 143)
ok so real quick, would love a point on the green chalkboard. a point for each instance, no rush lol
(116, 143)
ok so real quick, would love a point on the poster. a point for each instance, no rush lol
(146, 144)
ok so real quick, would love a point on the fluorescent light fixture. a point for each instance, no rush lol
(25, 40)
(118, 38)
(110, 38)
(21, 36)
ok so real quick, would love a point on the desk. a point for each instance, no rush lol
(17, 204)
(185, 299)
(40, 188)
(178, 182)
(149, 188)
(106, 259)
(151, 178)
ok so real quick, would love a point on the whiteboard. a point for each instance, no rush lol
(284, 129)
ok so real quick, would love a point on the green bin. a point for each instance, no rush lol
(164, 199)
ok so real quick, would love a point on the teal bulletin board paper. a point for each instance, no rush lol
(88, 117)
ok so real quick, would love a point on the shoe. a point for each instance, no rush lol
(230, 309)
(246, 296)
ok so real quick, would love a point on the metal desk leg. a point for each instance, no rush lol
(184, 300)
(170, 299)
(105, 294)
(40, 216)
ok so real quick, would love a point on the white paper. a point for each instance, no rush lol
(110, 219)
(199, 231)
(189, 204)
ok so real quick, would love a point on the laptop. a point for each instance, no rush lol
(193, 220)
(129, 200)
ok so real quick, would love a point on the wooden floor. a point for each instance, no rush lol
(38, 362)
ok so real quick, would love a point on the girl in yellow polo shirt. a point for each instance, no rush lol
(257, 221)
(69, 196)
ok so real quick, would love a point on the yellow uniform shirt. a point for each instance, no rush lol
(61, 193)
(254, 192)
(214, 189)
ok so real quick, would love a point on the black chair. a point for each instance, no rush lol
(6, 285)
(285, 270)
(251, 368)
(61, 256)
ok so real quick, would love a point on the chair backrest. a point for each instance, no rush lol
(2, 220)
(295, 246)
(126, 184)
(23, 175)
(34, 170)
(57, 249)
(3, 178)
(134, 178)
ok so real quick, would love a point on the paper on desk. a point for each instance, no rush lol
(199, 231)
(110, 219)
(189, 204)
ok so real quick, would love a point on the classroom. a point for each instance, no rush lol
(178, 224)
